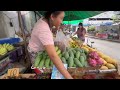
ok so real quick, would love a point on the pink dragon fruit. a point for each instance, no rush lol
(99, 61)
(94, 55)
(92, 62)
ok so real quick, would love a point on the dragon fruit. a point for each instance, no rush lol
(94, 55)
(92, 62)
(99, 61)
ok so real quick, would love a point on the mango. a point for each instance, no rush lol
(104, 68)
(110, 66)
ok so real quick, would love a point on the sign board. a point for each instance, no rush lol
(13, 72)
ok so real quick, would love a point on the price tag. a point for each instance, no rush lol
(118, 67)
(13, 72)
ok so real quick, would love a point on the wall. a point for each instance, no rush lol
(6, 30)
(3, 33)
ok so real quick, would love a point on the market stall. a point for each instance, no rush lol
(81, 61)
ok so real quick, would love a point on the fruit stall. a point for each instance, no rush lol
(11, 55)
(83, 62)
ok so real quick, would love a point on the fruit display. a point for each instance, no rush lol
(108, 62)
(3, 51)
(75, 42)
(94, 59)
(4, 48)
(42, 59)
(75, 57)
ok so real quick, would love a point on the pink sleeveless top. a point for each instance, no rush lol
(41, 35)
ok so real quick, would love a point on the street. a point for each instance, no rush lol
(111, 49)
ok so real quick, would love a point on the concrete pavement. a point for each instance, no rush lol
(109, 48)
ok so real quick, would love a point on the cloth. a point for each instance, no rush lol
(41, 35)
(80, 34)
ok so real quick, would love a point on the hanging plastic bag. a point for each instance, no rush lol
(61, 41)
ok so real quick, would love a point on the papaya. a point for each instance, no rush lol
(77, 54)
(41, 64)
(59, 52)
(47, 63)
(56, 48)
(63, 54)
(77, 62)
(74, 65)
(37, 59)
(60, 55)
(51, 63)
(74, 52)
(83, 54)
(63, 60)
(71, 54)
(82, 60)
(66, 55)
(86, 64)
(70, 62)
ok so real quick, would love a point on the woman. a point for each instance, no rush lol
(42, 39)
(81, 32)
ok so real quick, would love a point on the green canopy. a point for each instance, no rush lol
(74, 17)
(73, 22)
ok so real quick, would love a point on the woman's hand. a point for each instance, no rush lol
(57, 61)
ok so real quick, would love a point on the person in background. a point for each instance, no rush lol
(81, 31)
(42, 39)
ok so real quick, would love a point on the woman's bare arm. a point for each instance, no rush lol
(57, 61)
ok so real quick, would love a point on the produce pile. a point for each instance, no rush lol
(4, 48)
(76, 56)
(106, 61)
(75, 42)
(42, 59)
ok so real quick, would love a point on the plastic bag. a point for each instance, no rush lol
(61, 40)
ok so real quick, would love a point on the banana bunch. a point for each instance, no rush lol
(73, 45)
(3, 51)
(9, 47)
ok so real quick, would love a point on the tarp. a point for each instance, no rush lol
(74, 17)
(73, 22)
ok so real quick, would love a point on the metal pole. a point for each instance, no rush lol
(27, 60)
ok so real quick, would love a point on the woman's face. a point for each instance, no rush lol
(80, 26)
(57, 20)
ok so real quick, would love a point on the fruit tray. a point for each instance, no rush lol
(71, 70)
(21, 76)
(113, 75)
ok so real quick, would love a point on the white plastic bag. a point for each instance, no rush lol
(61, 40)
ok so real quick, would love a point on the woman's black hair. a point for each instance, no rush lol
(48, 14)
(80, 24)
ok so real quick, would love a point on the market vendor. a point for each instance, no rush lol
(81, 31)
(42, 39)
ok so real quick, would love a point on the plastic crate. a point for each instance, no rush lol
(10, 40)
